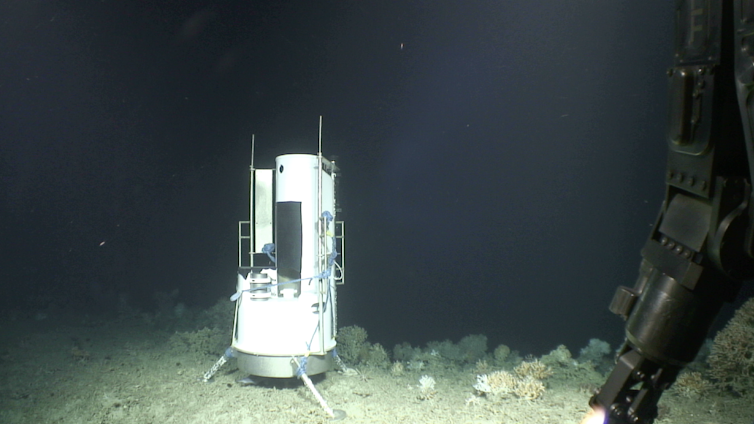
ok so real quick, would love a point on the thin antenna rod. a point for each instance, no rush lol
(321, 247)
(319, 153)
(252, 229)
(252, 152)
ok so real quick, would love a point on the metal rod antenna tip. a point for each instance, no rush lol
(252, 152)
(320, 136)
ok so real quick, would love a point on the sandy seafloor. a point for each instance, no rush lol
(74, 369)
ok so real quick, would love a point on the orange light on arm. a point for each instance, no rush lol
(595, 416)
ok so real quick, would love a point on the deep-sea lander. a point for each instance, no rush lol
(288, 269)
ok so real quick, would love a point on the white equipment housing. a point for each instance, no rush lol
(286, 301)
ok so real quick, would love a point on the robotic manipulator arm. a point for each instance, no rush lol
(700, 249)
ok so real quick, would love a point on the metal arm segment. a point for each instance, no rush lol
(699, 250)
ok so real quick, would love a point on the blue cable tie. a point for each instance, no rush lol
(301, 366)
(268, 249)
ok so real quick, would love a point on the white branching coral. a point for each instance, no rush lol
(426, 387)
(502, 384)
(482, 385)
(397, 369)
(534, 369)
(529, 388)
